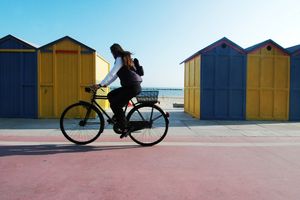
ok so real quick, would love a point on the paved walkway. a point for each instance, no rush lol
(180, 124)
(197, 160)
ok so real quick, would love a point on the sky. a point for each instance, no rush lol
(160, 33)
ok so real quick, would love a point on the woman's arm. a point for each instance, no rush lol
(112, 75)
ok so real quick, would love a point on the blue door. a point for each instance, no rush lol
(10, 65)
(223, 83)
(18, 78)
(18, 81)
(295, 88)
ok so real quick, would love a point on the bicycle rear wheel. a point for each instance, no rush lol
(156, 124)
(81, 123)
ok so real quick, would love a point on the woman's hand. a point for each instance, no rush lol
(95, 87)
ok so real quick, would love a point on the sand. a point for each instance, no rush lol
(167, 102)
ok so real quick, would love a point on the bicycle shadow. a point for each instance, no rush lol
(50, 149)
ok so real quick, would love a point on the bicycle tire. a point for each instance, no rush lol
(142, 112)
(96, 127)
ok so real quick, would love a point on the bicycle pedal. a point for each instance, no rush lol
(117, 129)
(125, 134)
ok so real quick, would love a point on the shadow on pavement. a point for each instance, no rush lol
(24, 150)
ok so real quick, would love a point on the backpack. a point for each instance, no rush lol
(138, 67)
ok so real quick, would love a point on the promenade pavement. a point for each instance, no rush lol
(197, 160)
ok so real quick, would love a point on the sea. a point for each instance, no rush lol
(167, 92)
(164, 92)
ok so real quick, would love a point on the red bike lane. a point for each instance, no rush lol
(179, 168)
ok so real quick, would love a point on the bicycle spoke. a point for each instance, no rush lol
(139, 113)
(158, 121)
(156, 118)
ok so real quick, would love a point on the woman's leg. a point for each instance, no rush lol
(118, 98)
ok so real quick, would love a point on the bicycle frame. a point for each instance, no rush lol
(104, 97)
(143, 115)
(110, 120)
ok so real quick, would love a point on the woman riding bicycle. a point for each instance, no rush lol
(147, 123)
(130, 85)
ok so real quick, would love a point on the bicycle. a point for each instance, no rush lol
(83, 122)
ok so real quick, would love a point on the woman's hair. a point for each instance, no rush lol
(127, 60)
(118, 51)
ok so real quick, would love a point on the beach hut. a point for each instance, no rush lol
(66, 67)
(295, 83)
(18, 78)
(268, 82)
(217, 74)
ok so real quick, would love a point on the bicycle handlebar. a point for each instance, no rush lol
(88, 89)
(92, 89)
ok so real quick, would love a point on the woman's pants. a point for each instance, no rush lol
(118, 98)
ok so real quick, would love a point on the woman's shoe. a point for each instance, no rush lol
(126, 132)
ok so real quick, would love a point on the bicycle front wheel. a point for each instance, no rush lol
(156, 124)
(81, 123)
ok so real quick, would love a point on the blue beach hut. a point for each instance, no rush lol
(18, 78)
(222, 81)
(294, 113)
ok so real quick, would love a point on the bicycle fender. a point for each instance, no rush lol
(85, 102)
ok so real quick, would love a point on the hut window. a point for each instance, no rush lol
(224, 45)
(269, 48)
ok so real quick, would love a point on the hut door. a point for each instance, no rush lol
(67, 80)
(10, 84)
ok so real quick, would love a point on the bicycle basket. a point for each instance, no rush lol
(148, 97)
